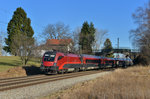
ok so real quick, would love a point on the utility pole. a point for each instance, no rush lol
(118, 42)
(118, 46)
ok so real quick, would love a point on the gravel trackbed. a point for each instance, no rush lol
(40, 90)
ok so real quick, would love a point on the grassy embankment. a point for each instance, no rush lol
(131, 83)
(7, 62)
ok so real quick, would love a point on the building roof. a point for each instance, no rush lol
(58, 41)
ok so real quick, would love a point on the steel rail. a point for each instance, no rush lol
(20, 84)
(20, 78)
(31, 77)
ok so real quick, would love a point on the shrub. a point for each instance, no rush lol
(141, 60)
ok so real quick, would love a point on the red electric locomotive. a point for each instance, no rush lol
(57, 62)
(61, 62)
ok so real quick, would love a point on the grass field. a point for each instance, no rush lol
(7, 62)
(130, 83)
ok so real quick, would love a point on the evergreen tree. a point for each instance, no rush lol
(107, 50)
(91, 36)
(87, 37)
(83, 41)
(18, 24)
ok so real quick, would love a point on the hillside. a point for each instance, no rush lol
(10, 66)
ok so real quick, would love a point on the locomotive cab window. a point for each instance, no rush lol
(60, 57)
(49, 57)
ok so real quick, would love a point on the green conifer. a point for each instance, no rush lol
(18, 24)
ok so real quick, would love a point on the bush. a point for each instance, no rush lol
(141, 60)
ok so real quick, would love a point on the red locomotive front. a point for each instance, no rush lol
(49, 62)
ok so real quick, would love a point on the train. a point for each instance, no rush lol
(59, 62)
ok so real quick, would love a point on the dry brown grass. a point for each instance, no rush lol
(13, 72)
(131, 83)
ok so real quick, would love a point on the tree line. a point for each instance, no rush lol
(20, 41)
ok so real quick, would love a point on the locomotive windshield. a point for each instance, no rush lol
(49, 57)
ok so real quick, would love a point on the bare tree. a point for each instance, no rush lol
(37, 52)
(141, 35)
(22, 45)
(2, 36)
(61, 33)
(75, 38)
(56, 31)
(0, 45)
(99, 38)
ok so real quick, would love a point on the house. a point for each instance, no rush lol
(63, 45)
(58, 44)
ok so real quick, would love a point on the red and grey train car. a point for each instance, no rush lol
(55, 62)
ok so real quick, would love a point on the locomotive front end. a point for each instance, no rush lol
(48, 63)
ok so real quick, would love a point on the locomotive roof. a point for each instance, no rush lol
(49, 52)
(90, 56)
(72, 55)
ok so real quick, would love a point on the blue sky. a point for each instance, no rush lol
(112, 15)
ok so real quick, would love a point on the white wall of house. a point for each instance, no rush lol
(69, 47)
(39, 53)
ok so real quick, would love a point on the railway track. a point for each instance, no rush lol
(13, 83)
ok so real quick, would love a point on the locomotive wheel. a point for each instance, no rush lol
(85, 69)
(76, 70)
(66, 71)
(113, 65)
(124, 65)
(61, 72)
